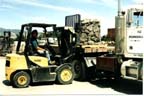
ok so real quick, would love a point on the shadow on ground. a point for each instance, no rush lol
(7, 83)
(125, 86)
(122, 85)
(42, 83)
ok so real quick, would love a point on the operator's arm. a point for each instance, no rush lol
(35, 44)
(39, 48)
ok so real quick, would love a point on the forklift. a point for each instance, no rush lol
(6, 43)
(24, 68)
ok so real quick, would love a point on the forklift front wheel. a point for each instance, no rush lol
(21, 79)
(65, 74)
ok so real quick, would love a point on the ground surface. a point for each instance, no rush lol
(103, 87)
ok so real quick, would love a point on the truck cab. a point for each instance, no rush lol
(129, 41)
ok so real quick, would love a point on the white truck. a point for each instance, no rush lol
(129, 40)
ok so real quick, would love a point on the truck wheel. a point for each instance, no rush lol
(21, 79)
(65, 74)
(79, 70)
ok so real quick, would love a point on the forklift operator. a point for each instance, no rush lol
(36, 48)
(34, 42)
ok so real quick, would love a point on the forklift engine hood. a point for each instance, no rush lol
(16, 60)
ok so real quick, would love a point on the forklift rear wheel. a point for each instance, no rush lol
(21, 79)
(65, 74)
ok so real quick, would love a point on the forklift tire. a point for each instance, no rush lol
(79, 70)
(65, 74)
(21, 79)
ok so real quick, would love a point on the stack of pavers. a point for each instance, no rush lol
(89, 32)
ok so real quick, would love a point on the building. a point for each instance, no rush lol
(111, 33)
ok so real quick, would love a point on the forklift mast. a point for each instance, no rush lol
(66, 41)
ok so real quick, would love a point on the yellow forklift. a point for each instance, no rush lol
(25, 67)
(6, 43)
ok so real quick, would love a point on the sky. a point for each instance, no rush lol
(14, 13)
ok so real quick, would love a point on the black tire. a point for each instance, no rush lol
(21, 79)
(79, 68)
(65, 74)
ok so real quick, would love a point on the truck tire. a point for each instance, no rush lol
(21, 79)
(79, 70)
(65, 74)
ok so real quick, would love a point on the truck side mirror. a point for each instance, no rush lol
(130, 17)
